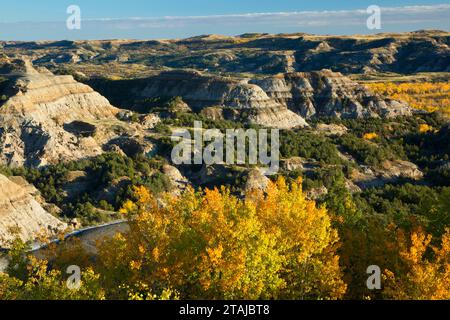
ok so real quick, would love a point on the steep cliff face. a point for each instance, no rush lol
(46, 118)
(326, 93)
(200, 91)
(21, 213)
(281, 101)
(237, 98)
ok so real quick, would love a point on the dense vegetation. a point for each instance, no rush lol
(213, 245)
(422, 139)
(310, 146)
(217, 244)
(113, 171)
(314, 230)
(428, 96)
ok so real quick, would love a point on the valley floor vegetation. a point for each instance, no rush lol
(211, 242)
(213, 245)
(428, 96)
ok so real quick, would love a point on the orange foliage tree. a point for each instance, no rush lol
(214, 245)
(426, 271)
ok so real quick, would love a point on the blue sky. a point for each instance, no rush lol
(144, 19)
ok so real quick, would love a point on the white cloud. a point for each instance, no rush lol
(332, 22)
(390, 15)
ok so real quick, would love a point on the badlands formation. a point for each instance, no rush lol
(22, 215)
(44, 117)
(283, 101)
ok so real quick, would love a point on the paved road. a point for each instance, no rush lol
(88, 236)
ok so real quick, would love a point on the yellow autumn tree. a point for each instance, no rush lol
(429, 96)
(214, 245)
(426, 272)
(43, 283)
(424, 128)
(370, 136)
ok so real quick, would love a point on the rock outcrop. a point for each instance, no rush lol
(47, 118)
(22, 215)
(256, 180)
(282, 101)
(150, 120)
(237, 98)
(178, 181)
(330, 94)
(331, 129)
(389, 172)
(293, 164)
